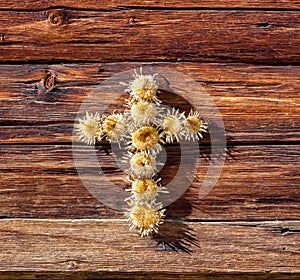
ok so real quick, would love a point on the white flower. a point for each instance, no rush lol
(113, 127)
(88, 128)
(144, 112)
(146, 139)
(145, 189)
(143, 87)
(142, 165)
(172, 125)
(146, 217)
(193, 126)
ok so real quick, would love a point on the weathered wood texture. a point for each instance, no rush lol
(83, 275)
(257, 183)
(257, 103)
(33, 5)
(83, 245)
(245, 54)
(149, 35)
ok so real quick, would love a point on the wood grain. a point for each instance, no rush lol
(245, 54)
(257, 183)
(106, 245)
(150, 35)
(87, 275)
(257, 103)
(150, 4)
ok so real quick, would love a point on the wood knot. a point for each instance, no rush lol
(72, 264)
(132, 20)
(49, 81)
(57, 17)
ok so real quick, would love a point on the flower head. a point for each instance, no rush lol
(146, 138)
(143, 87)
(146, 217)
(172, 125)
(145, 189)
(142, 165)
(88, 128)
(113, 127)
(144, 112)
(193, 126)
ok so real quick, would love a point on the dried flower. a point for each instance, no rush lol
(143, 87)
(172, 125)
(145, 189)
(142, 165)
(146, 138)
(88, 128)
(113, 127)
(194, 126)
(146, 217)
(144, 112)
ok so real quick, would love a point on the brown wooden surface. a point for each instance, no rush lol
(82, 245)
(81, 275)
(246, 56)
(257, 103)
(33, 5)
(257, 183)
(75, 35)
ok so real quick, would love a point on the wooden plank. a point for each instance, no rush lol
(257, 183)
(58, 133)
(107, 245)
(70, 275)
(257, 103)
(148, 35)
(150, 4)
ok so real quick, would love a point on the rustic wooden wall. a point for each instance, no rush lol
(246, 54)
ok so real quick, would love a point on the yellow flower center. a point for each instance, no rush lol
(110, 123)
(91, 128)
(193, 123)
(171, 125)
(144, 88)
(145, 93)
(145, 138)
(142, 186)
(144, 217)
(141, 160)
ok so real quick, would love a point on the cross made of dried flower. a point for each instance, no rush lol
(144, 126)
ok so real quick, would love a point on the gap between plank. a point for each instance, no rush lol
(153, 8)
(161, 61)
